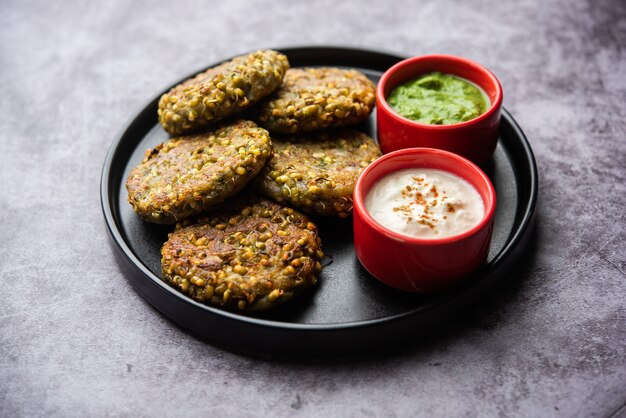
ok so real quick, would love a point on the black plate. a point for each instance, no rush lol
(349, 310)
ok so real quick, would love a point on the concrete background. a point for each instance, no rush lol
(76, 340)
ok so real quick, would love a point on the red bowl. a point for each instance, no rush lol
(421, 264)
(475, 139)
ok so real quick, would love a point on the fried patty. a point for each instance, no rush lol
(252, 254)
(311, 99)
(221, 91)
(185, 175)
(317, 172)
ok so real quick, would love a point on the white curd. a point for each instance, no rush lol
(425, 203)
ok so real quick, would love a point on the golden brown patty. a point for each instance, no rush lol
(185, 175)
(221, 91)
(248, 255)
(317, 172)
(311, 99)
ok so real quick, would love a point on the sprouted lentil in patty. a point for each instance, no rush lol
(221, 91)
(312, 99)
(251, 254)
(317, 172)
(186, 175)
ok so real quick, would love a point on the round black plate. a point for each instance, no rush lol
(349, 310)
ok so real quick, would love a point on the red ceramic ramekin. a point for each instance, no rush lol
(475, 139)
(421, 264)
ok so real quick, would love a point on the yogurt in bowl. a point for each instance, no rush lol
(425, 203)
(423, 219)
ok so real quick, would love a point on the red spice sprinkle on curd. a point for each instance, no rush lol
(425, 203)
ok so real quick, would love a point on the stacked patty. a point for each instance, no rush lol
(186, 175)
(311, 99)
(221, 91)
(233, 249)
(317, 172)
(251, 255)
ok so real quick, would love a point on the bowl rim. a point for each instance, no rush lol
(359, 198)
(475, 66)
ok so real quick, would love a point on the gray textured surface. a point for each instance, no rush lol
(76, 340)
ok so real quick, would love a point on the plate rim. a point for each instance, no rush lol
(122, 248)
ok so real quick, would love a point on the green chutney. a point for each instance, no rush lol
(439, 99)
